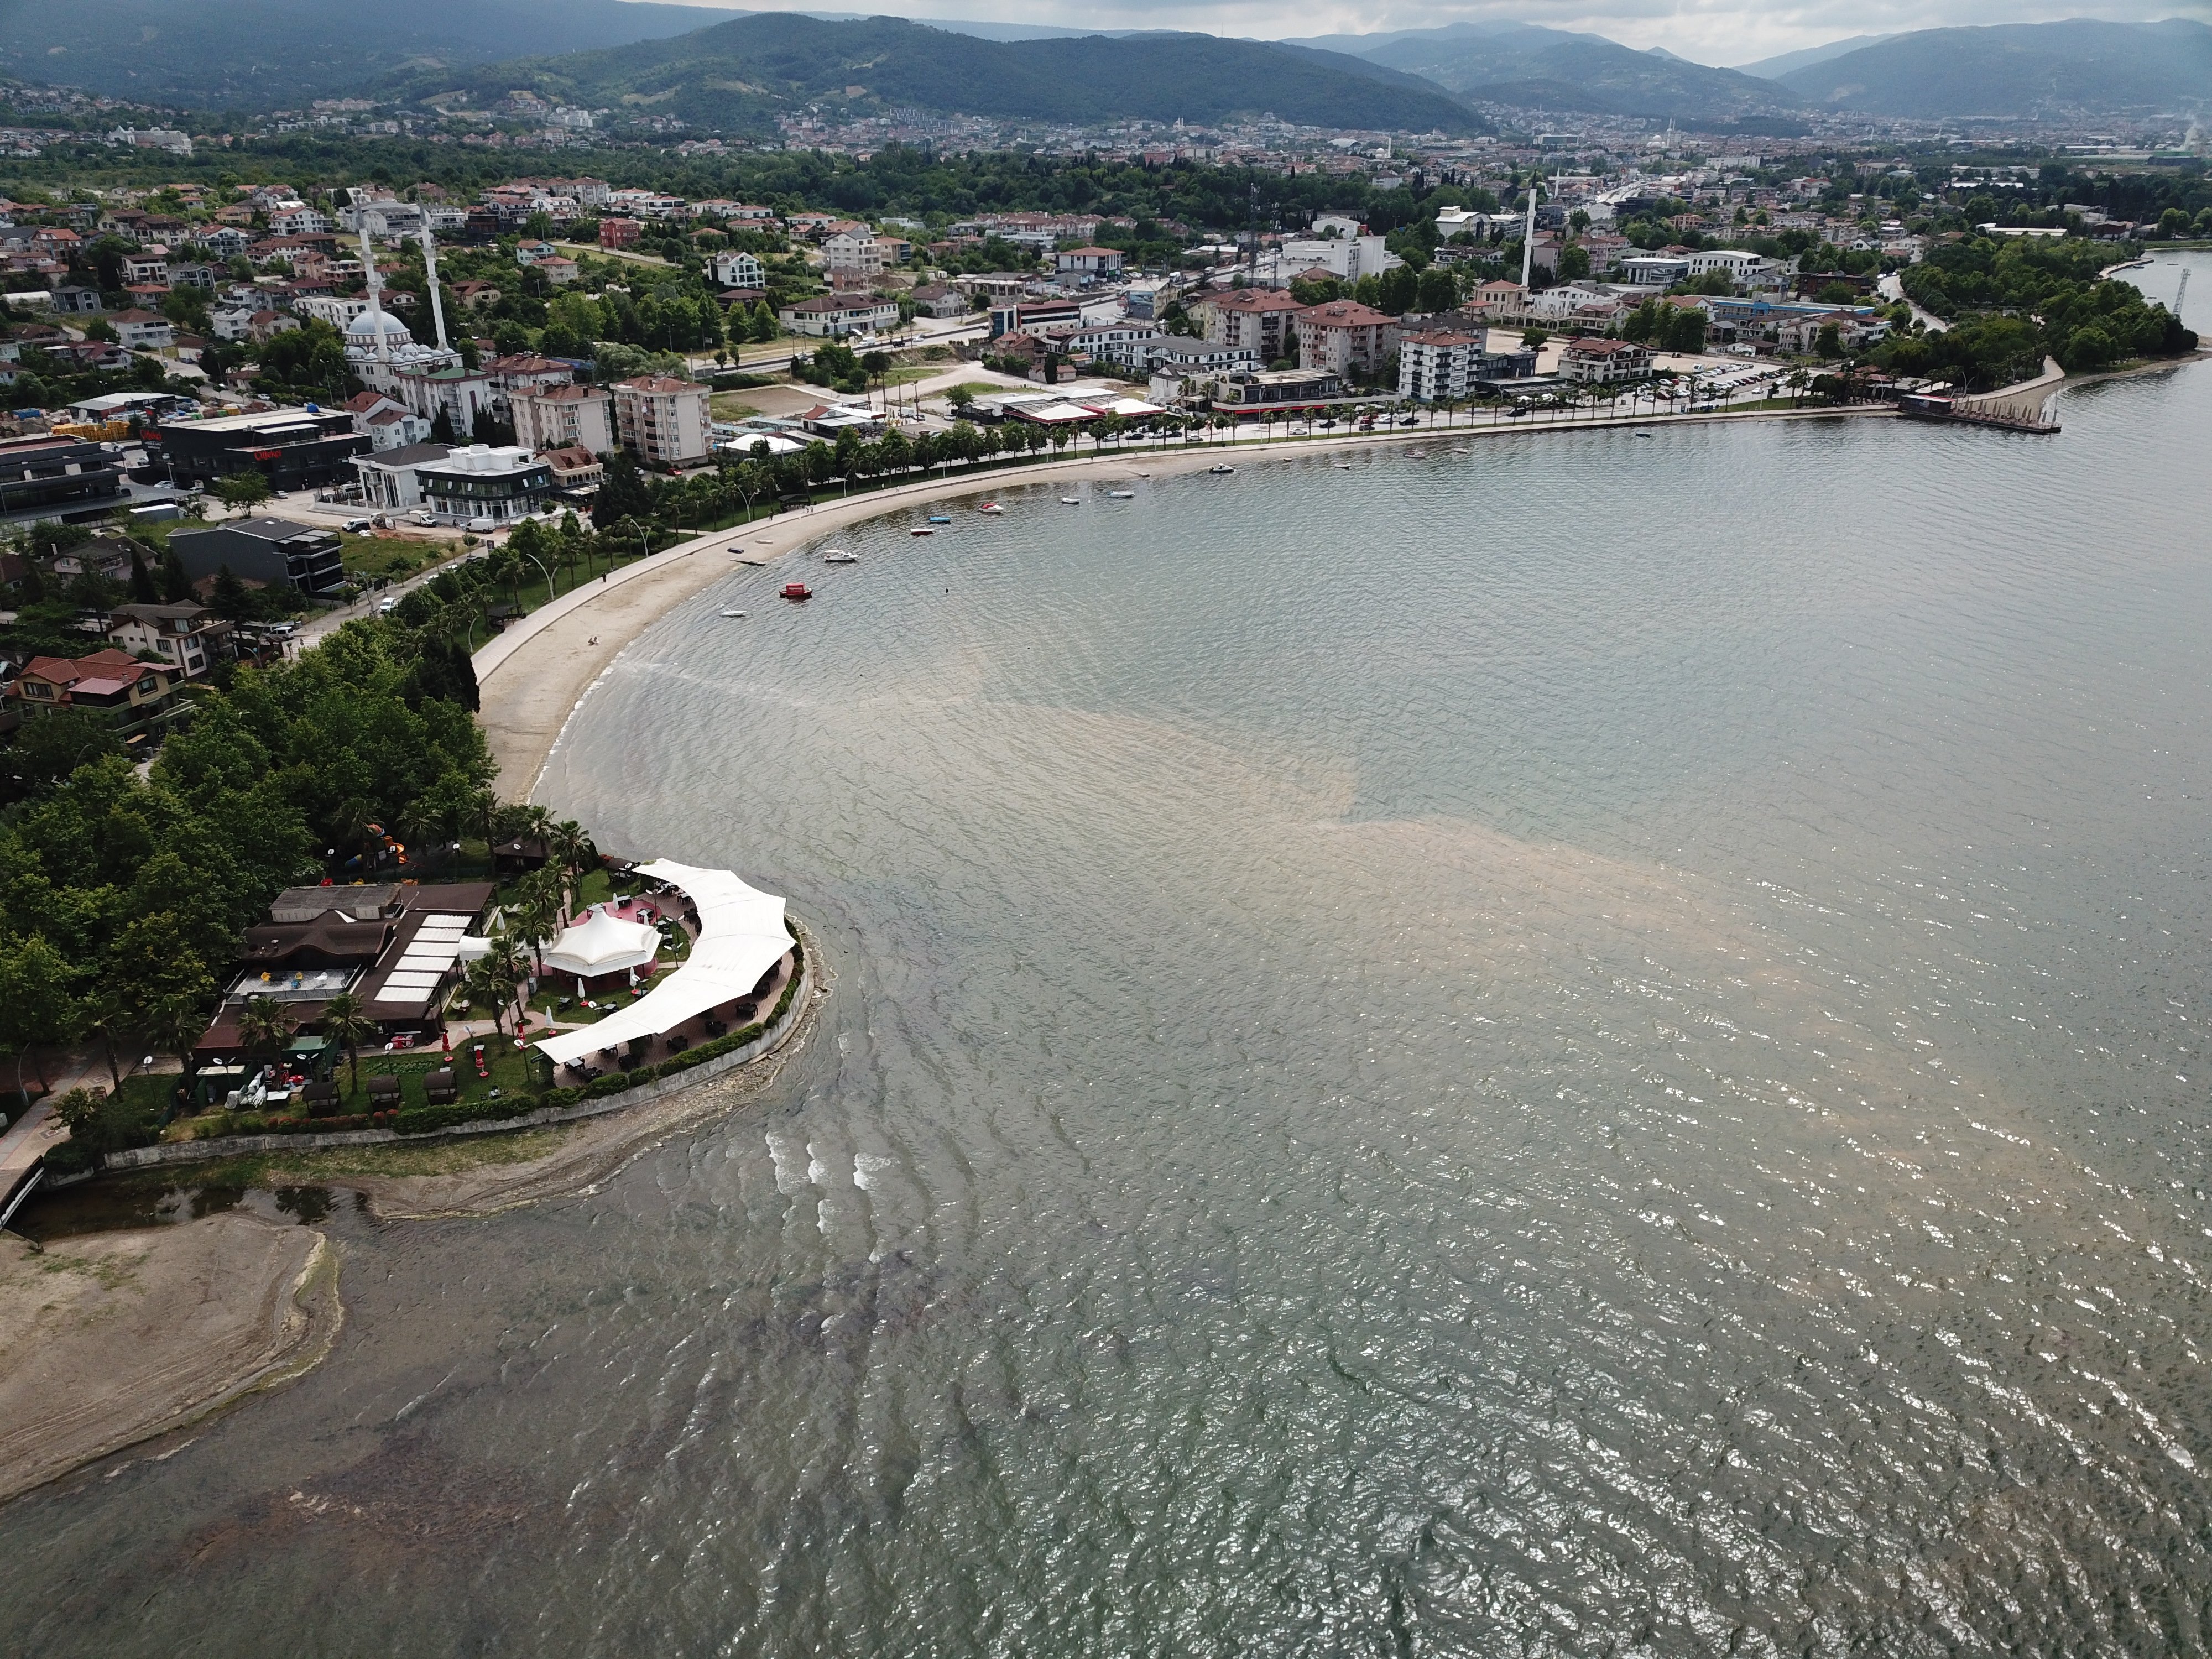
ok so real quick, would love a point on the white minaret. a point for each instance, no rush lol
(430, 269)
(376, 301)
(1529, 237)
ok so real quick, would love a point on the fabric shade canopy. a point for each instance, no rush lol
(741, 937)
(602, 944)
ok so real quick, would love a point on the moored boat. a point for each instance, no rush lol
(1071, 501)
(990, 506)
(1220, 468)
(922, 530)
(940, 518)
(839, 556)
(1121, 495)
(796, 591)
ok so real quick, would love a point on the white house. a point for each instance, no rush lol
(565, 417)
(830, 315)
(737, 270)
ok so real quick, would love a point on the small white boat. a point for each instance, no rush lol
(1071, 501)
(1222, 470)
(1121, 495)
(922, 530)
(1341, 466)
(990, 506)
(734, 613)
(839, 556)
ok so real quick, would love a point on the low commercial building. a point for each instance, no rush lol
(131, 695)
(188, 638)
(497, 483)
(274, 552)
(1603, 362)
(57, 476)
(293, 448)
(663, 420)
(573, 469)
(565, 417)
(389, 479)
(1276, 391)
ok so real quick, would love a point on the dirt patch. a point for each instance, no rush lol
(107, 1340)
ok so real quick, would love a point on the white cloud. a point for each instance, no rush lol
(1708, 31)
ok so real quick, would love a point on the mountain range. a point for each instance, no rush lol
(738, 76)
(2018, 70)
(736, 72)
(1520, 65)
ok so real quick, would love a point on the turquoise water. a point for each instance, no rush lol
(1580, 1045)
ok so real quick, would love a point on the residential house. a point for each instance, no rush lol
(1087, 264)
(271, 552)
(936, 300)
(1260, 319)
(739, 269)
(573, 469)
(618, 232)
(129, 693)
(833, 315)
(189, 638)
(663, 420)
(565, 417)
(1604, 362)
(852, 252)
(148, 265)
(558, 268)
(74, 300)
(142, 331)
(1346, 339)
(387, 425)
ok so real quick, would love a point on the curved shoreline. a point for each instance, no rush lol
(534, 678)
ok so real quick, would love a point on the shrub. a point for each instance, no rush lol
(612, 1084)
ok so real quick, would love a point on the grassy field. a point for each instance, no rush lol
(729, 406)
(393, 557)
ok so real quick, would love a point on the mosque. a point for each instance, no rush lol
(386, 358)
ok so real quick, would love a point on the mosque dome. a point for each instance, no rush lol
(364, 328)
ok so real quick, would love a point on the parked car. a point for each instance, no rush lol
(356, 526)
(386, 607)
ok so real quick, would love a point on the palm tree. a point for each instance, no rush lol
(346, 1023)
(569, 844)
(264, 1025)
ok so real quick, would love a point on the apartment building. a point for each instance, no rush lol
(663, 420)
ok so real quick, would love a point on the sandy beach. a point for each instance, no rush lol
(114, 1338)
(534, 675)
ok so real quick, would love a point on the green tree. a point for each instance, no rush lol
(245, 489)
(143, 590)
(622, 494)
(38, 1005)
(50, 748)
(176, 585)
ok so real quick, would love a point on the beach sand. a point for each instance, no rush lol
(113, 1338)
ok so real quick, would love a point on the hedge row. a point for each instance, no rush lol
(325, 1126)
(429, 1120)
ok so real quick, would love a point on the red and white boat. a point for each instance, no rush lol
(796, 591)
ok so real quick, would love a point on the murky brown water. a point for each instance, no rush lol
(1588, 1045)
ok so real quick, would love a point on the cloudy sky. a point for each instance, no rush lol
(1711, 31)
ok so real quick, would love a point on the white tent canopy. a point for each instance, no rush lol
(741, 937)
(602, 944)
